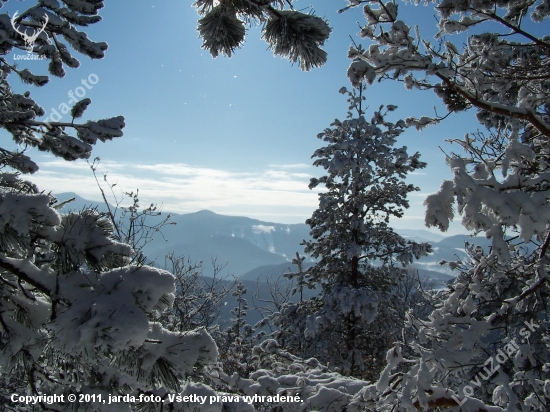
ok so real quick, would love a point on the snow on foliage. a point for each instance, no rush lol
(485, 346)
(281, 373)
(504, 76)
(19, 113)
(359, 258)
(77, 315)
(289, 33)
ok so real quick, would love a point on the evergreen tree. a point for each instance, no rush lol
(236, 342)
(360, 259)
(485, 346)
(76, 314)
(50, 22)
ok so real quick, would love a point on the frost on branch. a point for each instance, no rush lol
(76, 316)
(485, 345)
(221, 31)
(504, 192)
(290, 33)
(439, 207)
(501, 68)
(298, 36)
(277, 372)
(19, 113)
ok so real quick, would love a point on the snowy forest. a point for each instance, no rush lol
(89, 322)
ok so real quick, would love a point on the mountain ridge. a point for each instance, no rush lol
(245, 244)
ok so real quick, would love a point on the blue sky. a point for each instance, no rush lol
(233, 135)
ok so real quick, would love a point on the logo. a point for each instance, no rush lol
(29, 39)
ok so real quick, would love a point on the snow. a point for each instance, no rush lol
(257, 229)
(77, 317)
(73, 297)
(21, 213)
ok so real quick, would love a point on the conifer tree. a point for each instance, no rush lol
(485, 344)
(236, 342)
(76, 314)
(360, 259)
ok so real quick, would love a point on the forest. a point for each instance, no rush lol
(89, 322)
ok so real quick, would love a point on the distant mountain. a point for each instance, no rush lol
(272, 271)
(432, 278)
(454, 246)
(458, 241)
(241, 242)
(420, 235)
(237, 255)
(78, 203)
(449, 249)
(238, 243)
(251, 247)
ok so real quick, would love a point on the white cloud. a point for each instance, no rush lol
(292, 166)
(275, 195)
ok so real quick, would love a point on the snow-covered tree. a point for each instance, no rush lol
(236, 342)
(290, 33)
(76, 317)
(498, 62)
(485, 347)
(49, 22)
(486, 344)
(359, 258)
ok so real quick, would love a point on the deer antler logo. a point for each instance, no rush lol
(29, 39)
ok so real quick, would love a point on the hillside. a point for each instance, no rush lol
(250, 247)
